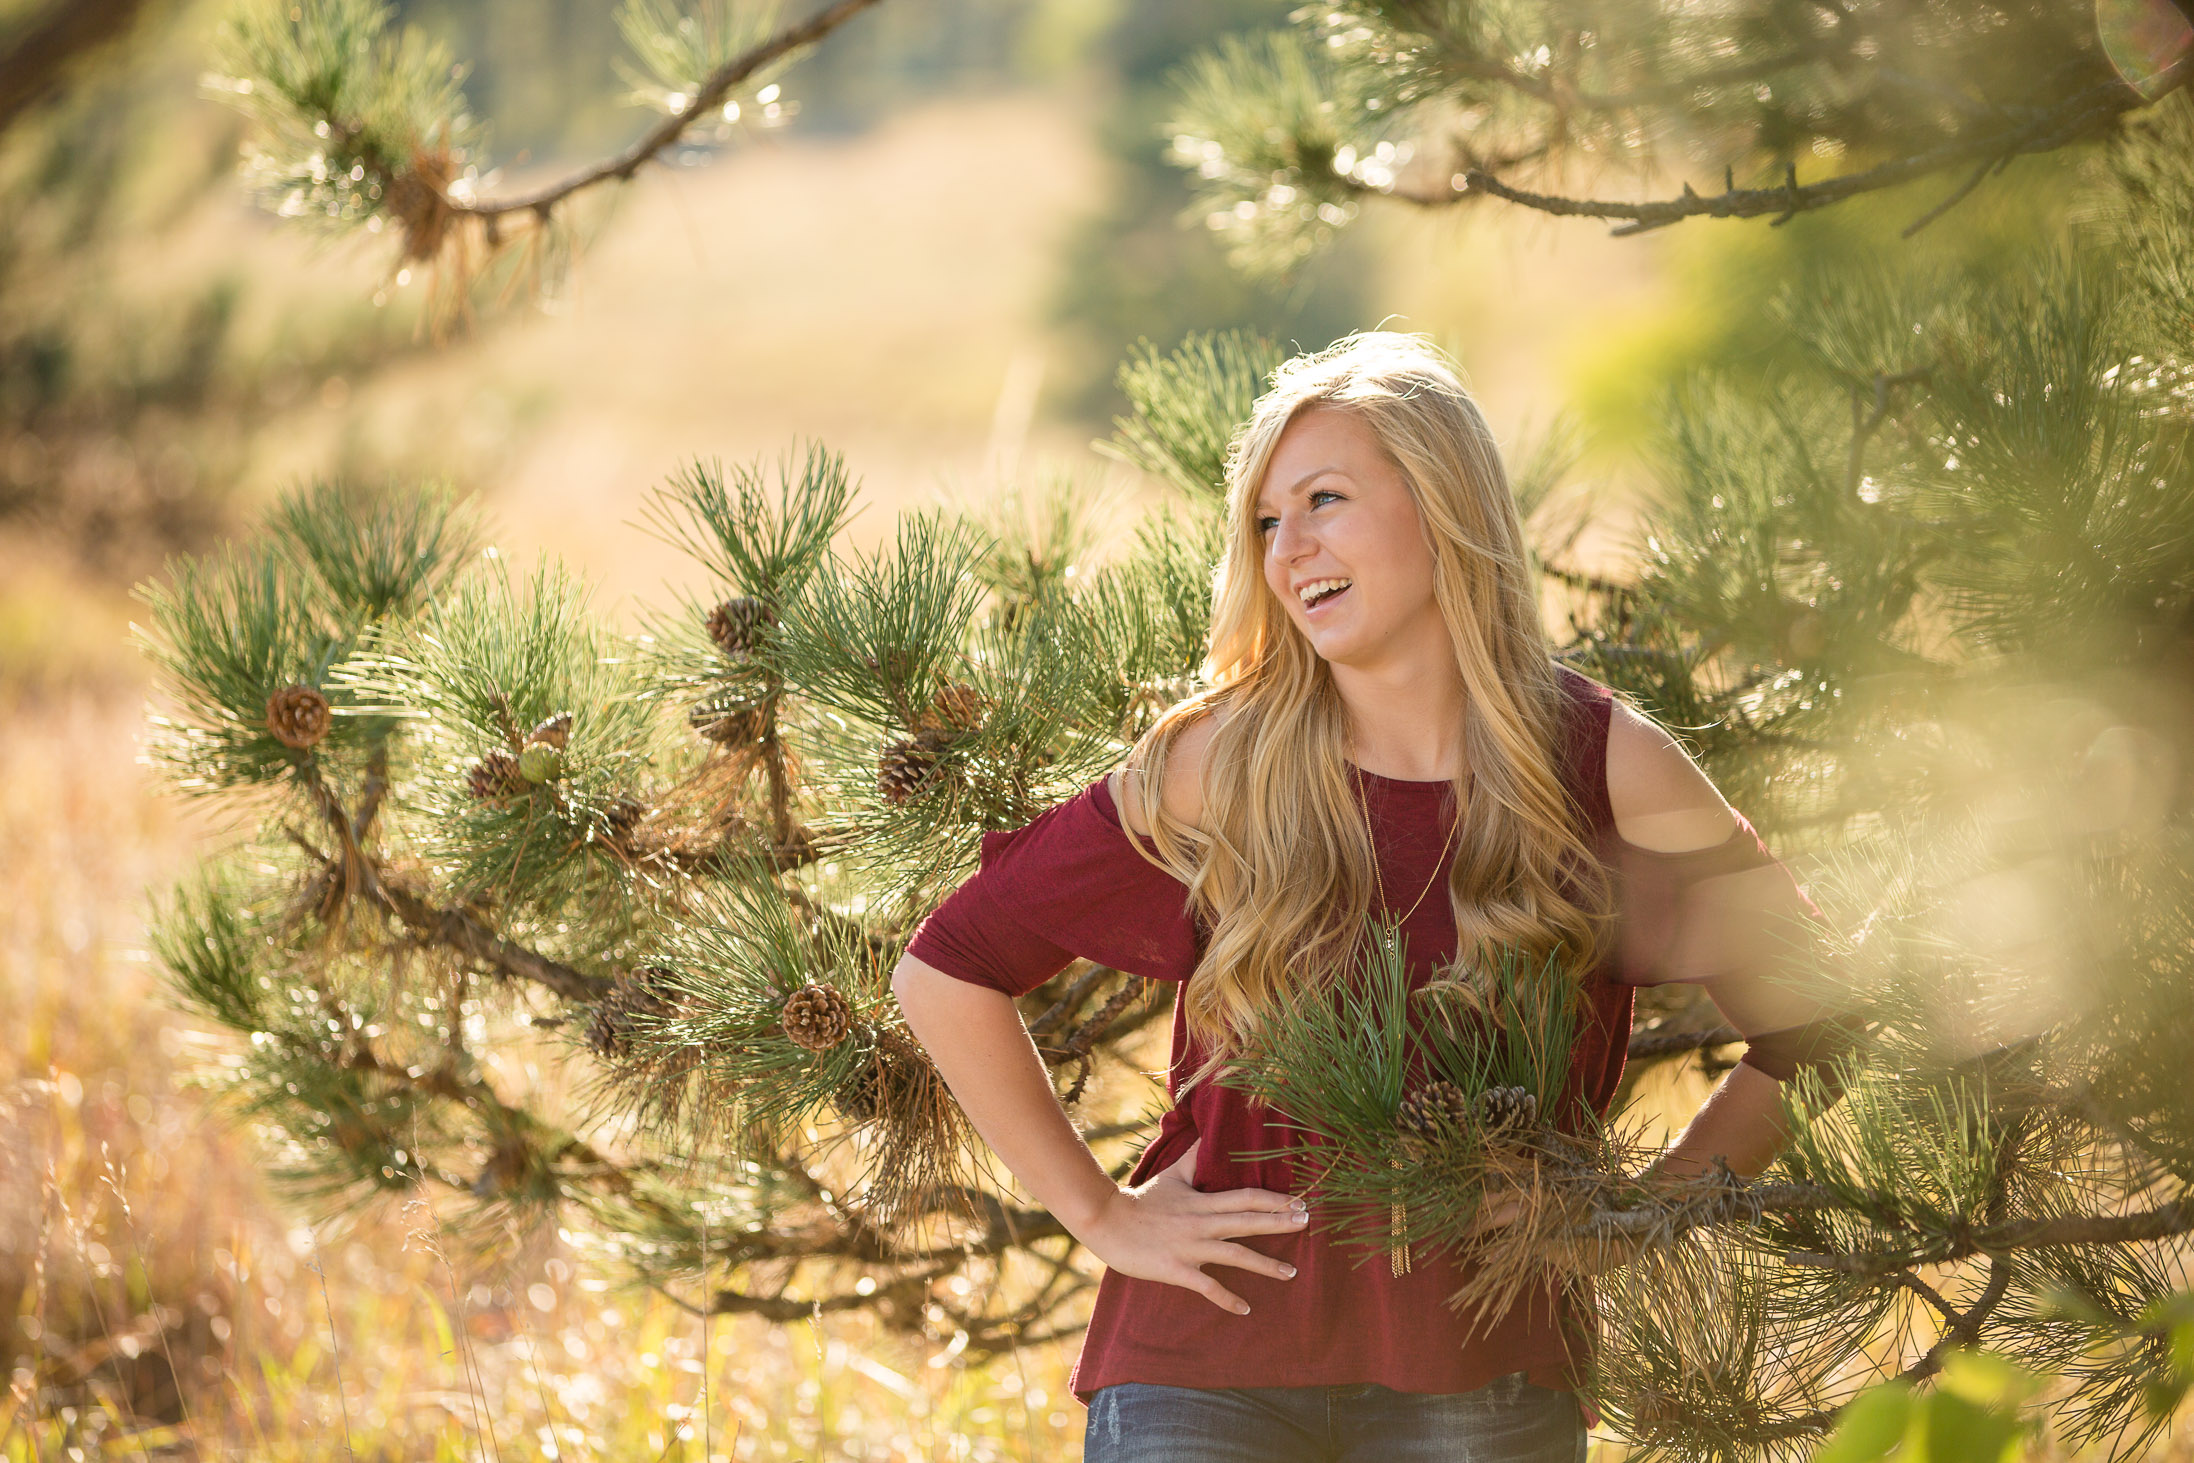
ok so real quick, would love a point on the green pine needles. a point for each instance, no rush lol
(677, 867)
(1403, 1095)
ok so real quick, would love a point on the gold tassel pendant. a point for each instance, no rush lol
(1397, 1229)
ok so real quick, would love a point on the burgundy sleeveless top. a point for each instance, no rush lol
(1069, 884)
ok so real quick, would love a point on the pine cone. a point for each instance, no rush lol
(736, 624)
(495, 777)
(1504, 1108)
(554, 732)
(905, 768)
(731, 720)
(621, 819)
(817, 1017)
(958, 707)
(1655, 1408)
(646, 993)
(883, 1084)
(1420, 1113)
(540, 762)
(298, 716)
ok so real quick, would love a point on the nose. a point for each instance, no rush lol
(1292, 538)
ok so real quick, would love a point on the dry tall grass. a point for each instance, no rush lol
(158, 1300)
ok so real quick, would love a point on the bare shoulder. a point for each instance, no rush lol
(1183, 793)
(1662, 801)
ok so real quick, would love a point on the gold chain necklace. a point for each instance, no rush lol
(1398, 1212)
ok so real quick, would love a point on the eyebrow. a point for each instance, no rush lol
(1299, 484)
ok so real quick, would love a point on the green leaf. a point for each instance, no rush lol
(1986, 1379)
(1953, 1430)
(1871, 1424)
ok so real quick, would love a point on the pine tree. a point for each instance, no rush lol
(1436, 104)
(675, 869)
(362, 127)
(1922, 591)
(1922, 594)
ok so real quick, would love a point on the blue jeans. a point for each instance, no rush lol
(1508, 1420)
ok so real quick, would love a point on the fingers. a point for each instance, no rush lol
(1249, 1200)
(1217, 1294)
(1242, 1257)
(1255, 1221)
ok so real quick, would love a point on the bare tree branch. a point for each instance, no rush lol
(33, 59)
(1650, 1046)
(710, 96)
(2088, 113)
(449, 927)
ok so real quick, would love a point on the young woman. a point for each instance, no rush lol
(1387, 732)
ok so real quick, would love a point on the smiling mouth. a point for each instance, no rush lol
(1318, 601)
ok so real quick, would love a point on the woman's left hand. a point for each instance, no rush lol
(1501, 1208)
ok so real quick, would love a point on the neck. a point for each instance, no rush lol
(1405, 712)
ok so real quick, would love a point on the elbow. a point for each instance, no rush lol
(906, 980)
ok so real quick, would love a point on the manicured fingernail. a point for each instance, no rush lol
(1301, 1216)
(1291, 1272)
(1298, 1205)
(1243, 1311)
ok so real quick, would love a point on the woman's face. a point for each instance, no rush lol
(1340, 527)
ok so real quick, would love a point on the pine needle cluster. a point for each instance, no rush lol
(1287, 134)
(675, 869)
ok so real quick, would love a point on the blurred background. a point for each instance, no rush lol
(935, 263)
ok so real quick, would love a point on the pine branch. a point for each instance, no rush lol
(33, 59)
(461, 932)
(1652, 1046)
(452, 928)
(729, 1302)
(1962, 1328)
(711, 94)
(2084, 115)
(2162, 1222)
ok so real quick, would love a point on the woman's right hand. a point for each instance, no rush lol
(1167, 1229)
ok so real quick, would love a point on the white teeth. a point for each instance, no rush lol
(1317, 587)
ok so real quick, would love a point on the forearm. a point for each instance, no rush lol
(982, 1049)
(1741, 1121)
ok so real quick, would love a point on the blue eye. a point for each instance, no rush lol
(1265, 524)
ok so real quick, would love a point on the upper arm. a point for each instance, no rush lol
(1183, 794)
(1661, 800)
(1722, 920)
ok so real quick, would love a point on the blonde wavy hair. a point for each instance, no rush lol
(1282, 869)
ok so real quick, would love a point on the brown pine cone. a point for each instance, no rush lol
(1422, 1110)
(1505, 1108)
(736, 624)
(817, 1017)
(298, 716)
(621, 819)
(882, 1085)
(644, 994)
(958, 707)
(555, 731)
(495, 777)
(731, 720)
(905, 769)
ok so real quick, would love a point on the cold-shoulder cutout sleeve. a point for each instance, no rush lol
(1732, 918)
(1069, 883)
